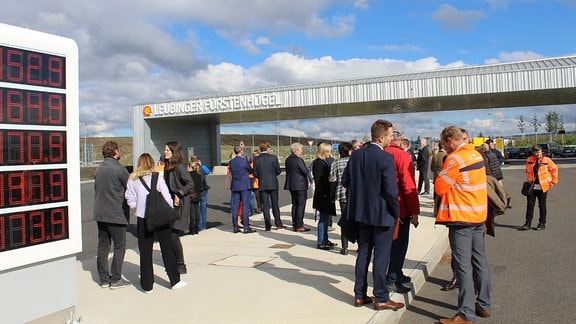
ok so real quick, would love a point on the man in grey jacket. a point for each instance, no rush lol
(112, 215)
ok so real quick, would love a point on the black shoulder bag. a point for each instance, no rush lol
(158, 212)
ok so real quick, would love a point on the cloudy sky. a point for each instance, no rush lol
(135, 51)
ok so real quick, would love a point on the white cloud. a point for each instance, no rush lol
(516, 56)
(454, 19)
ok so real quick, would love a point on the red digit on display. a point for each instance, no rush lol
(2, 192)
(35, 185)
(15, 141)
(34, 145)
(1, 151)
(15, 106)
(34, 69)
(15, 65)
(56, 109)
(37, 229)
(58, 222)
(17, 230)
(1, 95)
(34, 107)
(55, 70)
(56, 146)
(16, 189)
(2, 234)
(1, 64)
(57, 186)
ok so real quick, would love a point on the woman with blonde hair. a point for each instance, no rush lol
(136, 194)
(322, 202)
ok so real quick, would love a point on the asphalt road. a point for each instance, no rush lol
(532, 272)
(218, 213)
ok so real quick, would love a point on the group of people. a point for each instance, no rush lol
(374, 184)
(116, 191)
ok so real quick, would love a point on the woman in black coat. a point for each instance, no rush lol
(321, 201)
(181, 185)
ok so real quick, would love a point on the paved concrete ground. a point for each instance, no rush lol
(264, 277)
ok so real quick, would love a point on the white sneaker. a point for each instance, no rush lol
(180, 284)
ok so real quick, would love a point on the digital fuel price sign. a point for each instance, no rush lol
(39, 140)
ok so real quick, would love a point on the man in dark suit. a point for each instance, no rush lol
(297, 182)
(422, 167)
(373, 203)
(267, 169)
(241, 187)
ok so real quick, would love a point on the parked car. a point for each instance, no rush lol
(568, 151)
(551, 149)
(512, 153)
(518, 152)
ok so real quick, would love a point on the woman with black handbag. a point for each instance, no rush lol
(136, 194)
(181, 187)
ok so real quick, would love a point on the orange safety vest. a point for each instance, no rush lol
(547, 172)
(462, 188)
(255, 181)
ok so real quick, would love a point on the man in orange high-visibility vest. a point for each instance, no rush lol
(463, 208)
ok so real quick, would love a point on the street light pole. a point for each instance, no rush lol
(85, 147)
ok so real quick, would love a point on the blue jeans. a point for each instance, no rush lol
(203, 210)
(323, 218)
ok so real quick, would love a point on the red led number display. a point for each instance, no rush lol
(19, 147)
(32, 107)
(32, 68)
(32, 187)
(18, 230)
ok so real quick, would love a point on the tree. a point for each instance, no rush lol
(522, 125)
(553, 120)
(535, 125)
(480, 135)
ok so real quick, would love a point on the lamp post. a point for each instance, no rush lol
(85, 147)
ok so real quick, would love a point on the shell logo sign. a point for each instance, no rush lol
(147, 111)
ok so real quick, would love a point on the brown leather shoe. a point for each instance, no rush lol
(456, 319)
(302, 229)
(481, 312)
(390, 304)
(363, 301)
(279, 227)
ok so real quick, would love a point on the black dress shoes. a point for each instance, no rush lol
(325, 247)
(524, 227)
(398, 288)
(363, 301)
(403, 279)
(540, 227)
(453, 284)
(248, 231)
(390, 304)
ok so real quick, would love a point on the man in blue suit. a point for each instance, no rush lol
(370, 178)
(297, 179)
(241, 187)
